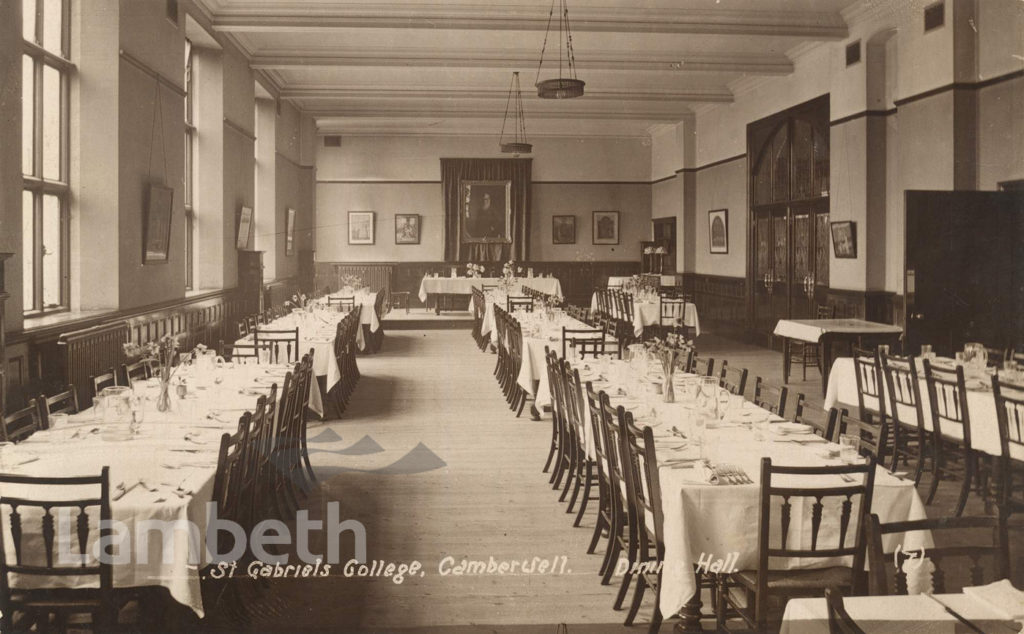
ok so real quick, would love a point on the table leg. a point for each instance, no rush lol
(785, 360)
(689, 616)
(825, 344)
(534, 412)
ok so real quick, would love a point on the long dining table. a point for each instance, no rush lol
(164, 472)
(369, 319)
(451, 286)
(704, 520)
(647, 312)
(981, 404)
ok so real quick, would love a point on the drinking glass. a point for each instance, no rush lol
(58, 420)
(138, 407)
(849, 446)
(926, 351)
(761, 429)
(960, 358)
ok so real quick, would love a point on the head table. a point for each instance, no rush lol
(464, 285)
(647, 312)
(164, 472)
(368, 316)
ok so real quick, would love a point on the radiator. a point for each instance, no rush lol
(90, 352)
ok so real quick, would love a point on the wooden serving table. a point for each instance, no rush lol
(827, 332)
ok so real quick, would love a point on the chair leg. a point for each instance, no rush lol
(638, 598)
(588, 476)
(554, 446)
(599, 526)
(572, 471)
(936, 470)
(656, 616)
(965, 488)
(627, 579)
(611, 555)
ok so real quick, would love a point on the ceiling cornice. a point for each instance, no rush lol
(423, 92)
(435, 111)
(313, 16)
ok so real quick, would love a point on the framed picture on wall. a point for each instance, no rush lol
(563, 229)
(361, 227)
(718, 230)
(244, 228)
(289, 232)
(486, 211)
(157, 239)
(844, 238)
(407, 228)
(606, 227)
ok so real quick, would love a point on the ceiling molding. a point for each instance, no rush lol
(501, 58)
(498, 94)
(454, 111)
(294, 16)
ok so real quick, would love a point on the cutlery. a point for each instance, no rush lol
(675, 431)
(846, 477)
(123, 490)
(26, 461)
(956, 615)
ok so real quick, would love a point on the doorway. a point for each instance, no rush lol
(788, 262)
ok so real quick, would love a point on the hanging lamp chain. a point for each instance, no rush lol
(544, 46)
(508, 101)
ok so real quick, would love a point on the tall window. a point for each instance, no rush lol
(45, 196)
(190, 154)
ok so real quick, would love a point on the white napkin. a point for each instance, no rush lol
(706, 474)
(1001, 596)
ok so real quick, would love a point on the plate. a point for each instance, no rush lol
(793, 428)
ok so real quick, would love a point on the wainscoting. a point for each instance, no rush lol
(880, 306)
(721, 302)
(578, 279)
(46, 359)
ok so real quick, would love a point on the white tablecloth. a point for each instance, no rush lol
(701, 519)
(464, 285)
(162, 457)
(367, 316)
(981, 405)
(649, 314)
(905, 614)
(537, 335)
(812, 329)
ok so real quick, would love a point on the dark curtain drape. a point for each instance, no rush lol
(453, 172)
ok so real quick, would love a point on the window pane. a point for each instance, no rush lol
(52, 249)
(27, 249)
(51, 123)
(28, 20)
(52, 22)
(28, 88)
(189, 156)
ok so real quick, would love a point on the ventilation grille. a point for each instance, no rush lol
(934, 16)
(332, 140)
(853, 53)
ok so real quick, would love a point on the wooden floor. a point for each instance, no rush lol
(431, 461)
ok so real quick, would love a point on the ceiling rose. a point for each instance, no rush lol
(566, 85)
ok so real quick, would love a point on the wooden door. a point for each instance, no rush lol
(665, 233)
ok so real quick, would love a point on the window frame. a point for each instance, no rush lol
(35, 183)
(190, 165)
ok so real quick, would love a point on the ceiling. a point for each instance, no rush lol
(422, 67)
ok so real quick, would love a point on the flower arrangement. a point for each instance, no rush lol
(474, 270)
(667, 351)
(351, 281)
(509, 271)
(162, 352)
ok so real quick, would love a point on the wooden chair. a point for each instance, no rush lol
(65, 402)
(344, 304)
(604, 520)
(905, 412)
(839, 621)
(583, 476)
(806, 353)
(1009, 399)
(829, 506)
(870, 435)
(100, 381)
(251, 323)
(733, 379)
(228, 482)
(770, 397)
(646, 522)
(399, 299)
(618, 539)
(278, 341)
(519, 302)
(29, 600)
(870, 399)
(586, 341)
(701, 366)
(671, 311)
(23, 423)
(969, 539)
(132, 372)
(824, 423)
(952, 455)
(996, 357)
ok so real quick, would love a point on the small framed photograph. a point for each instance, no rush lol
(718, 230)
(844, 238)
(244, 228)
(157, 239)
(606, 227)
(563, 229)
(361, 227)
(289, 232)
(407, 228)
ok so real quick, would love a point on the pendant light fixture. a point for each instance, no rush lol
(566, 86)
(518, 144)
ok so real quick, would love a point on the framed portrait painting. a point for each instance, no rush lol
(244, 228)
(606, 227)
(718, 230)
(486, 211)
(563, 229)
(407, 228)
(844, 238)
(361, 227)
(157, 239)
(289, 232)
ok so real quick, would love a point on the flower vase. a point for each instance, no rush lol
(163, 401)
(668, 368)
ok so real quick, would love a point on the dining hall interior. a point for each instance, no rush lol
(567, 316)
